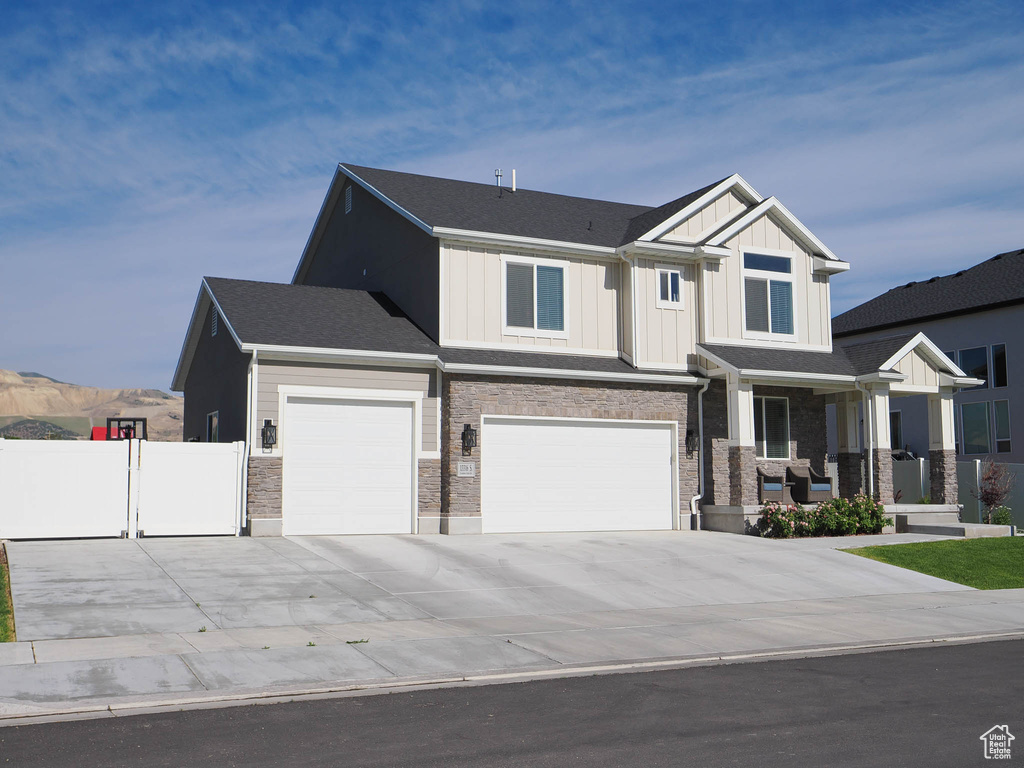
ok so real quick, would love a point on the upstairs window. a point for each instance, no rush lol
(768, 294)
(771, 427)
(998, 365)
(535, 296)
(974, 362)
(1001, 410)
(670, 288)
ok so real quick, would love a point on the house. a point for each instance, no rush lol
(971, 316)
(458, 357)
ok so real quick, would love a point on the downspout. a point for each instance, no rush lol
(250, 415)
(869, 435)
(700, 454)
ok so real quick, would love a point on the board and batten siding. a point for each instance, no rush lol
(272, 375)
(919, 371)
(723, 289)
(666, 336)
(473, 300)
(719, 210)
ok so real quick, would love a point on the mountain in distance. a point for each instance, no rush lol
(54, 408)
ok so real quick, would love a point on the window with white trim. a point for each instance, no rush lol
(670, 288)
(213, 427)
(768, 294)
(771, 427)
(535, 296)
(896, 429)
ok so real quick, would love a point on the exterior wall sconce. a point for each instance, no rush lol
(691, 442)
(468, 440)
(268, 434)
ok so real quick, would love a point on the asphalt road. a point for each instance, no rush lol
(914, 707)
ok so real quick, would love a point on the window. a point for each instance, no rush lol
(214, 322)
(951, 356)
(535, 296)
(998, 365)
(670, 283)
(977, 428)
(768, 297)
(348, 199)
(974, 362)
(896, 429)
(771, 427)
(212, 427)
(1001, 411)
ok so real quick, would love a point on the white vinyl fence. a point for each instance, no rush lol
(912, 478)
(77, 489)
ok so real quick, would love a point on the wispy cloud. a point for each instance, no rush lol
(140, 151)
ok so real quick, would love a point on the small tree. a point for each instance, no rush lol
(994, 487)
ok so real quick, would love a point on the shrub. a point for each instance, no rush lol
(1000, 516)
(836, 517)
(994, 485)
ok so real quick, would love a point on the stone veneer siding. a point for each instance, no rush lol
(881, 467)
(465, 398)
(429, 488)
(731, 472)
(942, 473)
(851, 474)
(263, 499)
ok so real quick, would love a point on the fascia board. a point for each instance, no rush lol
(920, 340)
(682, 215)
(772, 204)
(316, 225)
(668, 250)
(822, 266)
(568, 373)
(808, 378)
(723, 364)
(965, 382)
(192, 336)
(515, 241)
(880, 377)
(286, 352)
(713, 251)
(386, 200)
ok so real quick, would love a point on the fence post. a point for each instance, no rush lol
(134, 481)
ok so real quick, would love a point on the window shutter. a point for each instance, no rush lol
(782, 306)
(550, 298)
(519, 295)
(776, 428)
(757, 305)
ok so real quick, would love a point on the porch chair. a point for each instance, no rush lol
(809, 487)
(773, 488)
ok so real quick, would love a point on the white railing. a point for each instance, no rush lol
(77, 489)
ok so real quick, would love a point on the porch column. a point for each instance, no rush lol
(881, 458)
(850, 458)
(942, 448)
(742, 453)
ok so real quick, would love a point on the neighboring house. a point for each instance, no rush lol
(975, 317)
(462, 357)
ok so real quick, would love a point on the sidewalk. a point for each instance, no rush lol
(474, 629)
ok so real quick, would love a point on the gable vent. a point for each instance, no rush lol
(348, 199)
(213, 323)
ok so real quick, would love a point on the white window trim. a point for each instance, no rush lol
(659, 302)
(891, 412)
(777, 277)
(511, 330)
(215, 414)
(764, 429)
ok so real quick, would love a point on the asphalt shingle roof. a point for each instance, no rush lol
(523, 213)
(853, 359)
(997, 281)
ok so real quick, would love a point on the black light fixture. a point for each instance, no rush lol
(269, 434)
(691, 442)
(468, 439)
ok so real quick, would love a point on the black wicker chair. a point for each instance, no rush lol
(809, 487)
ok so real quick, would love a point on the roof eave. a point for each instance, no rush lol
(684, 213)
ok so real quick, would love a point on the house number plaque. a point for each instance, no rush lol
(467, 469)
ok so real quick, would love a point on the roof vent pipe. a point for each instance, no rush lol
(497, 176)
(513, 179)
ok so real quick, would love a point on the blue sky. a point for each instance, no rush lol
(145, 145)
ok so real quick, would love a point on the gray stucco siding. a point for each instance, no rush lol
(271, 376)
(217, 381)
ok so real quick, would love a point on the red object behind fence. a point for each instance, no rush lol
(99, 433)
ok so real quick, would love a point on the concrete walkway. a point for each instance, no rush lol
(133, 623)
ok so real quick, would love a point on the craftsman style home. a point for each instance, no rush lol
(458, 357)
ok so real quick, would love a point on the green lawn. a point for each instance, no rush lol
(6, 608)
(996, 563)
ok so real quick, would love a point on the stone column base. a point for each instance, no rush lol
(881, 469)
(742, 475)
(851, 474)
(942, 473)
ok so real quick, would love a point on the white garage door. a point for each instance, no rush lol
(552, 475)
(348, 467)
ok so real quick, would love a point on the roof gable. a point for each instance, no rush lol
(779, 213)
(671, 216)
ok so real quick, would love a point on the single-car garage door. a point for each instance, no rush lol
(566, 475)
(348, 466)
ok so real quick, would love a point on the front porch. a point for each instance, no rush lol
(765, 415)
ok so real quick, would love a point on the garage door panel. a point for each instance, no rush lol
(348, 467)
(550, 475)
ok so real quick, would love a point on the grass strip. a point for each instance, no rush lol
(6, 602)
(996, 563)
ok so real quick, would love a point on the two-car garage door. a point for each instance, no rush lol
(348, 466)
(570, 475)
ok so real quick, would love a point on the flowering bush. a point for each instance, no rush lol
(836, 517)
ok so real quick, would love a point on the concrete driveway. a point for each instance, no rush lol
(119, 623)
